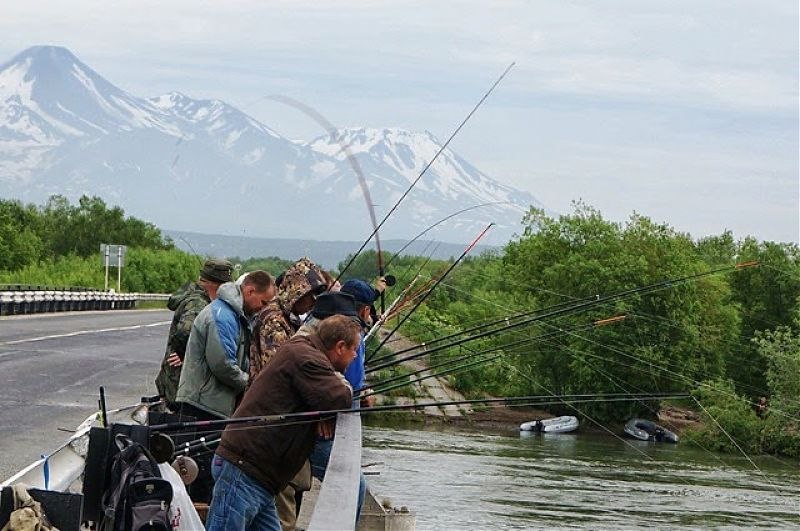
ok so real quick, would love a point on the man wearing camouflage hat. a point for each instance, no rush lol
(186, 303)
(280, 319)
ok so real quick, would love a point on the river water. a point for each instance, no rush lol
(474, 480)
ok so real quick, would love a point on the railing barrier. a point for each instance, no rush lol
(21, 299)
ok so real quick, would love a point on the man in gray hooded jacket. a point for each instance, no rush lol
(215, 366)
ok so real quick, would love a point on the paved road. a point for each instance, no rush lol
(52, 365)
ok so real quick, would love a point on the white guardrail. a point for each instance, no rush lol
(17, 300)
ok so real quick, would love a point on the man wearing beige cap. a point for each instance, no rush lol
(187, 303)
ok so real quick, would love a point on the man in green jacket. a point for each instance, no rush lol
(187, 304)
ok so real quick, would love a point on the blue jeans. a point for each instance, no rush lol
(239, 502)
(319, 463)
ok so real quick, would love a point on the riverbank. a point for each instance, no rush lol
(497, 418)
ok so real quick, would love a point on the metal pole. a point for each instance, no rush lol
(119, 268)
(107, 252)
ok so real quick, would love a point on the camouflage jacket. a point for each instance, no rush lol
(276, 323)
(187, 302)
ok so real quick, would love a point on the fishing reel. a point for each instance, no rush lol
(163, 450)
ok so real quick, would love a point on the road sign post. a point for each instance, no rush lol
(113, 256)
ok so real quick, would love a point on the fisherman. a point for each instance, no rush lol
(252, 465)
(298, 287)
(355, 300)
(215, 367)
(365, 296)
(761, 407)
(186, 303)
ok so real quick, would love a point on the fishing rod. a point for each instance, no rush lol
(511, 401)
(515, 344)
(428, 257)
(385, 315)
(446, 372)
(578, 304)
(424, 170)
(427, 294)
(454, 214)
(427, 351)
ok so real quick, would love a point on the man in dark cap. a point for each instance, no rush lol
(365, 296)
(187, 302)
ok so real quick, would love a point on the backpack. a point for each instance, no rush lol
(137, 498)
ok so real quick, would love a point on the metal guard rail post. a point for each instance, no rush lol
(338, 496)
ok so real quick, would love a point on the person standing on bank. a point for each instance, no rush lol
(186, 304)
(252, 465)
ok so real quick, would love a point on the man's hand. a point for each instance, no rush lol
(380, 285)
(368, 401)
(174, 360)
(325, 428)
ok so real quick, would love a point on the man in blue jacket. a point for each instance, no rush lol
(214, 371)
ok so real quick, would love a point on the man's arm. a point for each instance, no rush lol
(183, 327)
(221, 350)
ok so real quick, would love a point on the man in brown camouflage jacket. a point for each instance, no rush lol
(279, 320)
(187, 303)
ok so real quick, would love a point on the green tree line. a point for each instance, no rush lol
(58, 244)
(725, 335)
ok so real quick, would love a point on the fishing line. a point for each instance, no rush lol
(619, 383)
(454, 214)
(425, 169)
(677, 376)
(738, 447)
(424, 297)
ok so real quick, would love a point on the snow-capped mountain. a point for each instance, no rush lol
(205, 166)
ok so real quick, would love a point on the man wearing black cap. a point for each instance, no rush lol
(187, 303)
(365, 296)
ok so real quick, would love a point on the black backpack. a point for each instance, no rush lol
(137, 498)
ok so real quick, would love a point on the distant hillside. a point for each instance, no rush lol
(199, 165)
(327, 254)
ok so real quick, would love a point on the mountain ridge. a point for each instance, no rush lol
(198, 164)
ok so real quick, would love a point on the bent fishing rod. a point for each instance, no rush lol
(424, 170)
(427, 293)
(332, 130)
(511, 401)
(563, 308)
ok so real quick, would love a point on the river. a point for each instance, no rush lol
(473, 480)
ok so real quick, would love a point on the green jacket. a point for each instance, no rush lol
(215, 366)
(187, 303)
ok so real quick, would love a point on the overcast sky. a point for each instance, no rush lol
(684, 111)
